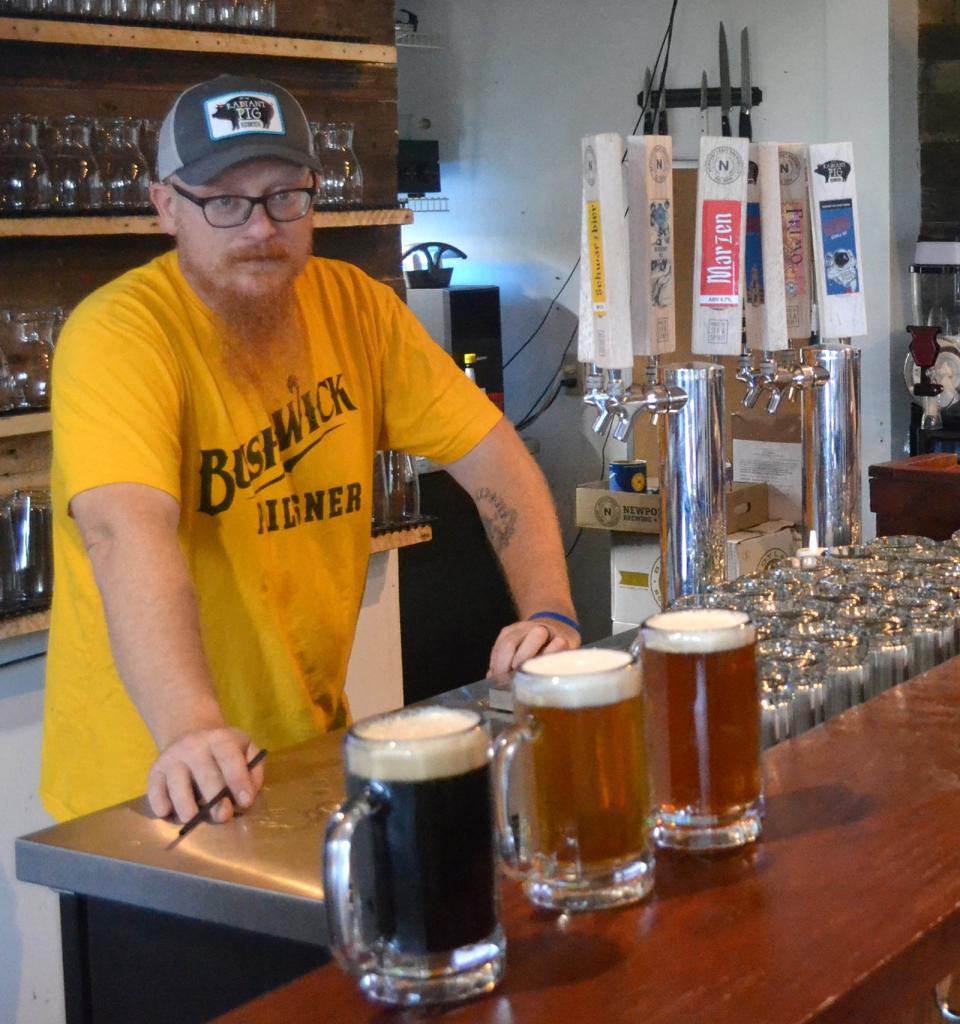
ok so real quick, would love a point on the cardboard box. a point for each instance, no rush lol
(750, 550)
(635, 566)
(626, 512)
(769, 450)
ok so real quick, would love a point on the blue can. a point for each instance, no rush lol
(628, 475)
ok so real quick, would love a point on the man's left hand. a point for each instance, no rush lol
(525, 639)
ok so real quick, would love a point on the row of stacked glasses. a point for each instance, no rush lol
(856, 623)
(243, 15)
(27, 340)
(74, 164)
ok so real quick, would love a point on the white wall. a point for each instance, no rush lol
(515, 87)
(31, 975)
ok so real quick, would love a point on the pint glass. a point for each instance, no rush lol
(581, 782)
(409, 859)
(699, 669)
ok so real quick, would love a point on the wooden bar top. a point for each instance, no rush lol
(848, 910)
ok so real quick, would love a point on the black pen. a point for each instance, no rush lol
(216, 798)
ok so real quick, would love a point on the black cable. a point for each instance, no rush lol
(667, 39)
(576, 541)
(530, 420)
(526, 416)
(545, 315)
(666, 59)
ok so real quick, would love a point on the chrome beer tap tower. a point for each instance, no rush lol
(808, 210)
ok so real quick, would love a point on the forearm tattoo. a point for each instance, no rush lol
(498, 518)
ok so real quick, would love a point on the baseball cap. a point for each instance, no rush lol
(218, 124)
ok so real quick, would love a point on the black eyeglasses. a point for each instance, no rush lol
(232, 211)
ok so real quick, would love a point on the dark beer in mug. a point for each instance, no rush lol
(424, 866)
(699, 668)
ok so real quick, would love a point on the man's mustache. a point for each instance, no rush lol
(261, 252)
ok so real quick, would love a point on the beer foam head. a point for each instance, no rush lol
(418, 744)
(698, 631)
(585, 678)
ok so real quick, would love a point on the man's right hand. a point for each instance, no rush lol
(211, 759)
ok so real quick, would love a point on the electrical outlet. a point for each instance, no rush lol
(573, 377)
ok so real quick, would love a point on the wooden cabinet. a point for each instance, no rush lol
(337, 58)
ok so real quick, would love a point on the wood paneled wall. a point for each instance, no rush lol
(51, 80)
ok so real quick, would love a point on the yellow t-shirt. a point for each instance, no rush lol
(274, 501)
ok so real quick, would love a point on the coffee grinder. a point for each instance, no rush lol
(931, 371)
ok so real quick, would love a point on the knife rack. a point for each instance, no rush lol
(677, 98)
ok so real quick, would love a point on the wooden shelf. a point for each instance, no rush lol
(189, 38)
(21, 625)
(25, 423)
(147, 224)
(401, 538)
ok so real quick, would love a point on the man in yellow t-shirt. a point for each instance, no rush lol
(215, 417)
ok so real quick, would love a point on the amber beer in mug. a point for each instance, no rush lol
(584, 798)
(699, 668)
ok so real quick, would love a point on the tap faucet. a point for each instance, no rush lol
(656, 399)
(596, 396)
(806, 378)
(781, 382)
(613, 400)
(750, 376)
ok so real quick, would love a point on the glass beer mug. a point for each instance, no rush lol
(410, 878)
(584, 837)
(699, 667)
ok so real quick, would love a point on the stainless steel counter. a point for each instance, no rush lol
(261, 871)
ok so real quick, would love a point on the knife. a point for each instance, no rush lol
(725, 100)
(704, 108)
(662, 111)
(648, 102)
(746, 129)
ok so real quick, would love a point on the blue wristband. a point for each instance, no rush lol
(565, 619)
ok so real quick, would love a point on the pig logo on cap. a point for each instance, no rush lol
(245, 112)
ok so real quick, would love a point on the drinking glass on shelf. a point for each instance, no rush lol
(380, 511)
(26, 554)
(158, 10)
(341, 177)
(73, 171)
(11, 397)
(403, 487)
(29, 355)
(24, 181)
(149, 143)
(224, 15)
(123, 167)
(261, 15)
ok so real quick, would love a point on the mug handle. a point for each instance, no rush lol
(343, 921)
(505, 749)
